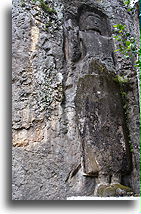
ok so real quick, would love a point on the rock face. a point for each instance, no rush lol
(101, 124)
(72, 134)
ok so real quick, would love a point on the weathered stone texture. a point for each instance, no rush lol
(70, 130)
(102, 127)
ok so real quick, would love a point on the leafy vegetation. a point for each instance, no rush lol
(120, 79)
(127, 44)
(23, 3)
(127, 4)
(45, 7)
(47, 14)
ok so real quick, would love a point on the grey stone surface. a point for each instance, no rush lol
(101, 123)
(69, 127)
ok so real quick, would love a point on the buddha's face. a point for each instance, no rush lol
(92, 22)
(95, 35)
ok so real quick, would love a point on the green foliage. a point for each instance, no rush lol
(123, 94)
(45, 7)
(47, 25)
(127, 44)
(48, 14)
(127, 4)
(120, 79)
(131, 146)
(23, 3)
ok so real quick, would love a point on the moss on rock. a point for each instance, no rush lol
(125, 188)
(113, 190)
